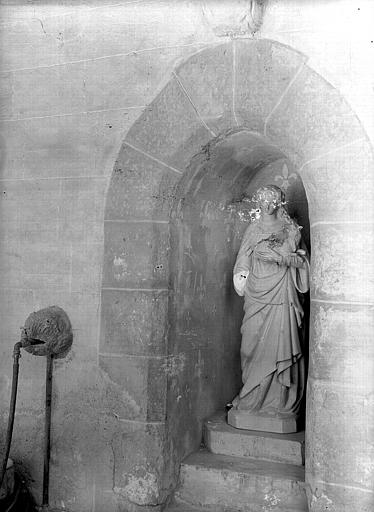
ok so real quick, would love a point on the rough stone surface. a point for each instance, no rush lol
(241, 484)
(341, 348)
(170, 130)
(97, 30)
(122, 450)
(142, 383)
(136, 255)
(134, 322)
(95, 86)
(341, 262)
(339, 498)
(241, 19)
(181, 507)
(84, 72)
(317, 117)
(341, 416)
(339, 185)
(221, 438)
(43, 147)
(140, 188)
(6, 95)
(264, 70)
(208, 80)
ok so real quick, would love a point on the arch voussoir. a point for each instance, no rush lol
(264, 70)
(207, 79)
(313, 118)
(169, 128)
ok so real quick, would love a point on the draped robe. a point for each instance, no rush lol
(271, 352)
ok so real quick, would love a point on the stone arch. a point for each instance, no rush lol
(267, 88)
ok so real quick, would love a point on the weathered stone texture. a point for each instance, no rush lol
(207, 77)
(47, 147)
(323, 496)
(341, 347)
(53, 234)
(264, 70)
(134, 322)
(142, 384)
(317, 117)
(339, 425)
(140, 188)
(19, 272)
(136, 255)
(341, 266)
(81, 74)
(94, 30)
(94, 85)
(80, 216)
(170, 129)
(105, 453)
(40, 201)
(139, 469)
(339, 185)
(240, 19)
(232, 483)
(6, 95)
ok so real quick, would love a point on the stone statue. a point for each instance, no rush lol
(270, 271)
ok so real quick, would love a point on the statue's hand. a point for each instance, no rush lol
(296, 260)
(292, 260)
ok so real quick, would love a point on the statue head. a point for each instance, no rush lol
(269, 198)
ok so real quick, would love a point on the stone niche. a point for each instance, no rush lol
(233, 117)
(206, 230)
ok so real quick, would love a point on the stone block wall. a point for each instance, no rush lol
(75, 78)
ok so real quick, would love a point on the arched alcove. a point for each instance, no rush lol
(262, 87)
(205, 313)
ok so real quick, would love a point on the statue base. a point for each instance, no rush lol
(246, 420)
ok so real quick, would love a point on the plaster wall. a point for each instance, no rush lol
(74, 78)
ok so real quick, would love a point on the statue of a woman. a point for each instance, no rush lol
(270, 270)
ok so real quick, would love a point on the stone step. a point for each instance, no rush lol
(183, 507)
(221, 438)
(241, 484)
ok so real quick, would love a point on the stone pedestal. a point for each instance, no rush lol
(223, 439)
(249, 421)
